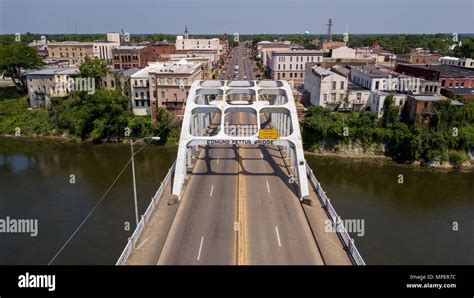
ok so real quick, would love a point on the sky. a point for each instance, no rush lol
(230, 16)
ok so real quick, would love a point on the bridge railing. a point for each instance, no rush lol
(132, 241)
(340, 228)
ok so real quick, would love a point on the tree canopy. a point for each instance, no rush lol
(15, 59)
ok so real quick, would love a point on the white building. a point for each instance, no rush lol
(45, 83)
(197, 44)
(343, 53)
(377, 78)
(462, 62)
(290, 64)
(103, 50)
(326, 88)
(377, 100)
(163, 84)
(113, 37)
(332, 90)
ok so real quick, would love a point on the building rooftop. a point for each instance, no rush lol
(428, 97)
(375, 71)
(461, 91)
(446, 70)
(354, 87)
(339, 69)
(297, 52)
(53, 71)
(281, 45)
(181, 67)
(321, 71)
(130, 47)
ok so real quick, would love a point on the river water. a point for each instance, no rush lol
(404, 223)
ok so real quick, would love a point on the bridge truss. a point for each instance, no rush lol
(209, 107)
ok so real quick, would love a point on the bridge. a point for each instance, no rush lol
(240, 191)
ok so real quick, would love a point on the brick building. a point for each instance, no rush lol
(125, 57)
(449, 76)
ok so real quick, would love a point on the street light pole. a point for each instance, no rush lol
(134, 182)
(133, 174)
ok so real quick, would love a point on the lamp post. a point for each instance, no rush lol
(133, 172)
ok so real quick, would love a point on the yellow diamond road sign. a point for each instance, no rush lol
(267, 134)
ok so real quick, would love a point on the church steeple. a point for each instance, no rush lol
(186, 32)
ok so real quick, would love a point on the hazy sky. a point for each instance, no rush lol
(243, 16)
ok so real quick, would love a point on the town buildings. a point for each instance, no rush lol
(163, 84)
(449, 76)
(454, 61)
(80, 50)
(421, 107)
(266, 51)
(118, 79)
(125, 57)
(290, 64)
(419, 56)
(43, 84)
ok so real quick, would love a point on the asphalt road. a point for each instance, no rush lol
(239, 207)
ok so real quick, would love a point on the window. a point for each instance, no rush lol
(185, 82)
(283, 75)
(342, 85)
(170, 81)
(325, 96)
(359, 96)
(334, 85)
(291, 75)
(162, 81)
(163, 94)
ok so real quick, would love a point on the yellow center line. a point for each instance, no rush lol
(241, 237)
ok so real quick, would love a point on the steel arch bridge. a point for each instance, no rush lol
(209, 105)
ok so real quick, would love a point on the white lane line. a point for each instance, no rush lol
(268, 187)
(218, 160)
(212, 189)
(200, 248)
(278, 236)
(261, 155)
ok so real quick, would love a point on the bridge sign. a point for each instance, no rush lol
(268, 134)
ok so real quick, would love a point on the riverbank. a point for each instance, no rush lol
(66, 140)
(373, 157)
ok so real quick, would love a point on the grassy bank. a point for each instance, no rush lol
(101, 117)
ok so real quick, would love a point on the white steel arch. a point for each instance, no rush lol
(272, 99)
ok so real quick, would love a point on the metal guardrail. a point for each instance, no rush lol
(127, 251)
(340, 229)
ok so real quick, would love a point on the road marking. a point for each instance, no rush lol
(278, 236)
(261, 155)
(218, 160)
(212, 189)
(268, 187)
(200, 248)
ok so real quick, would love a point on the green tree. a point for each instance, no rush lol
(390, 112)
(93, 68)
(15, 59)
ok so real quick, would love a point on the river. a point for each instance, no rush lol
(404, 223)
